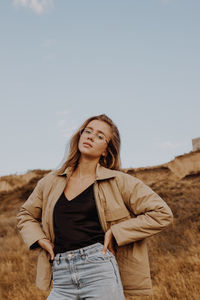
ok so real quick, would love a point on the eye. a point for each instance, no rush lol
(88, 131)
(100, 136)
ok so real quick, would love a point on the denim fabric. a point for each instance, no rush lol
(86, 273)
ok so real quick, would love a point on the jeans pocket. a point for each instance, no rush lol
(98, 257)
(111, 254)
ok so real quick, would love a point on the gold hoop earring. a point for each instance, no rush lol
(104, 160)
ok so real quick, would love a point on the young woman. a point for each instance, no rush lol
(91, 220)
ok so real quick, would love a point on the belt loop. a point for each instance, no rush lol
(59, 260)
(82, 252)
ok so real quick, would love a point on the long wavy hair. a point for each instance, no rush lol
(111, 160)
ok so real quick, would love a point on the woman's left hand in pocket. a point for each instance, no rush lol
(108, 242)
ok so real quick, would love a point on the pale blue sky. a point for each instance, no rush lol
(64, 61)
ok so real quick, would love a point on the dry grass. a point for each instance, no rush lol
(174, 254)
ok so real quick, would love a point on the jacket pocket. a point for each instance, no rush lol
(116, 215)
(134, 274)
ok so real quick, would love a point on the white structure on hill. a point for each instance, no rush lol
(196, 144)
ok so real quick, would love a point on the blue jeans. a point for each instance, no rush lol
(86, 273)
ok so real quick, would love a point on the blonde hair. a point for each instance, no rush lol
(111, 160)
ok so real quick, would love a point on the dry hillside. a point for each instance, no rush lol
(174, 253)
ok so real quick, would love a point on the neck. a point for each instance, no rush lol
(86, 168)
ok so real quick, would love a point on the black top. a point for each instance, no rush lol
(76, 222)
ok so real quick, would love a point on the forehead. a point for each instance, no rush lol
(99, 125)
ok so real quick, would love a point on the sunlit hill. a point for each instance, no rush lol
(174, 253)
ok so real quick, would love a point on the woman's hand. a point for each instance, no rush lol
(108, 242)
(48, 246)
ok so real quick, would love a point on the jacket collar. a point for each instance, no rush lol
(101, 172)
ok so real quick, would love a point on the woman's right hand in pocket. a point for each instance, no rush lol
(48, 246)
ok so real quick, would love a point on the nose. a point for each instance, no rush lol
(91, 137)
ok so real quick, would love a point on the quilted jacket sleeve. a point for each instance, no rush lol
(150, 213)
(29, 217)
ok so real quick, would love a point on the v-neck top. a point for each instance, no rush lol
(76, 222)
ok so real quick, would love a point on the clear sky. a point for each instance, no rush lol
(63, 61)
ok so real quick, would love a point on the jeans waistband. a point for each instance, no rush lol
(80, 251)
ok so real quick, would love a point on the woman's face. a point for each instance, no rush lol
(94, 139)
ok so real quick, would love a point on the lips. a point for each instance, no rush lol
(88, 144)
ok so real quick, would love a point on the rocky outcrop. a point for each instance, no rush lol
(182, 166)
(187, 164)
